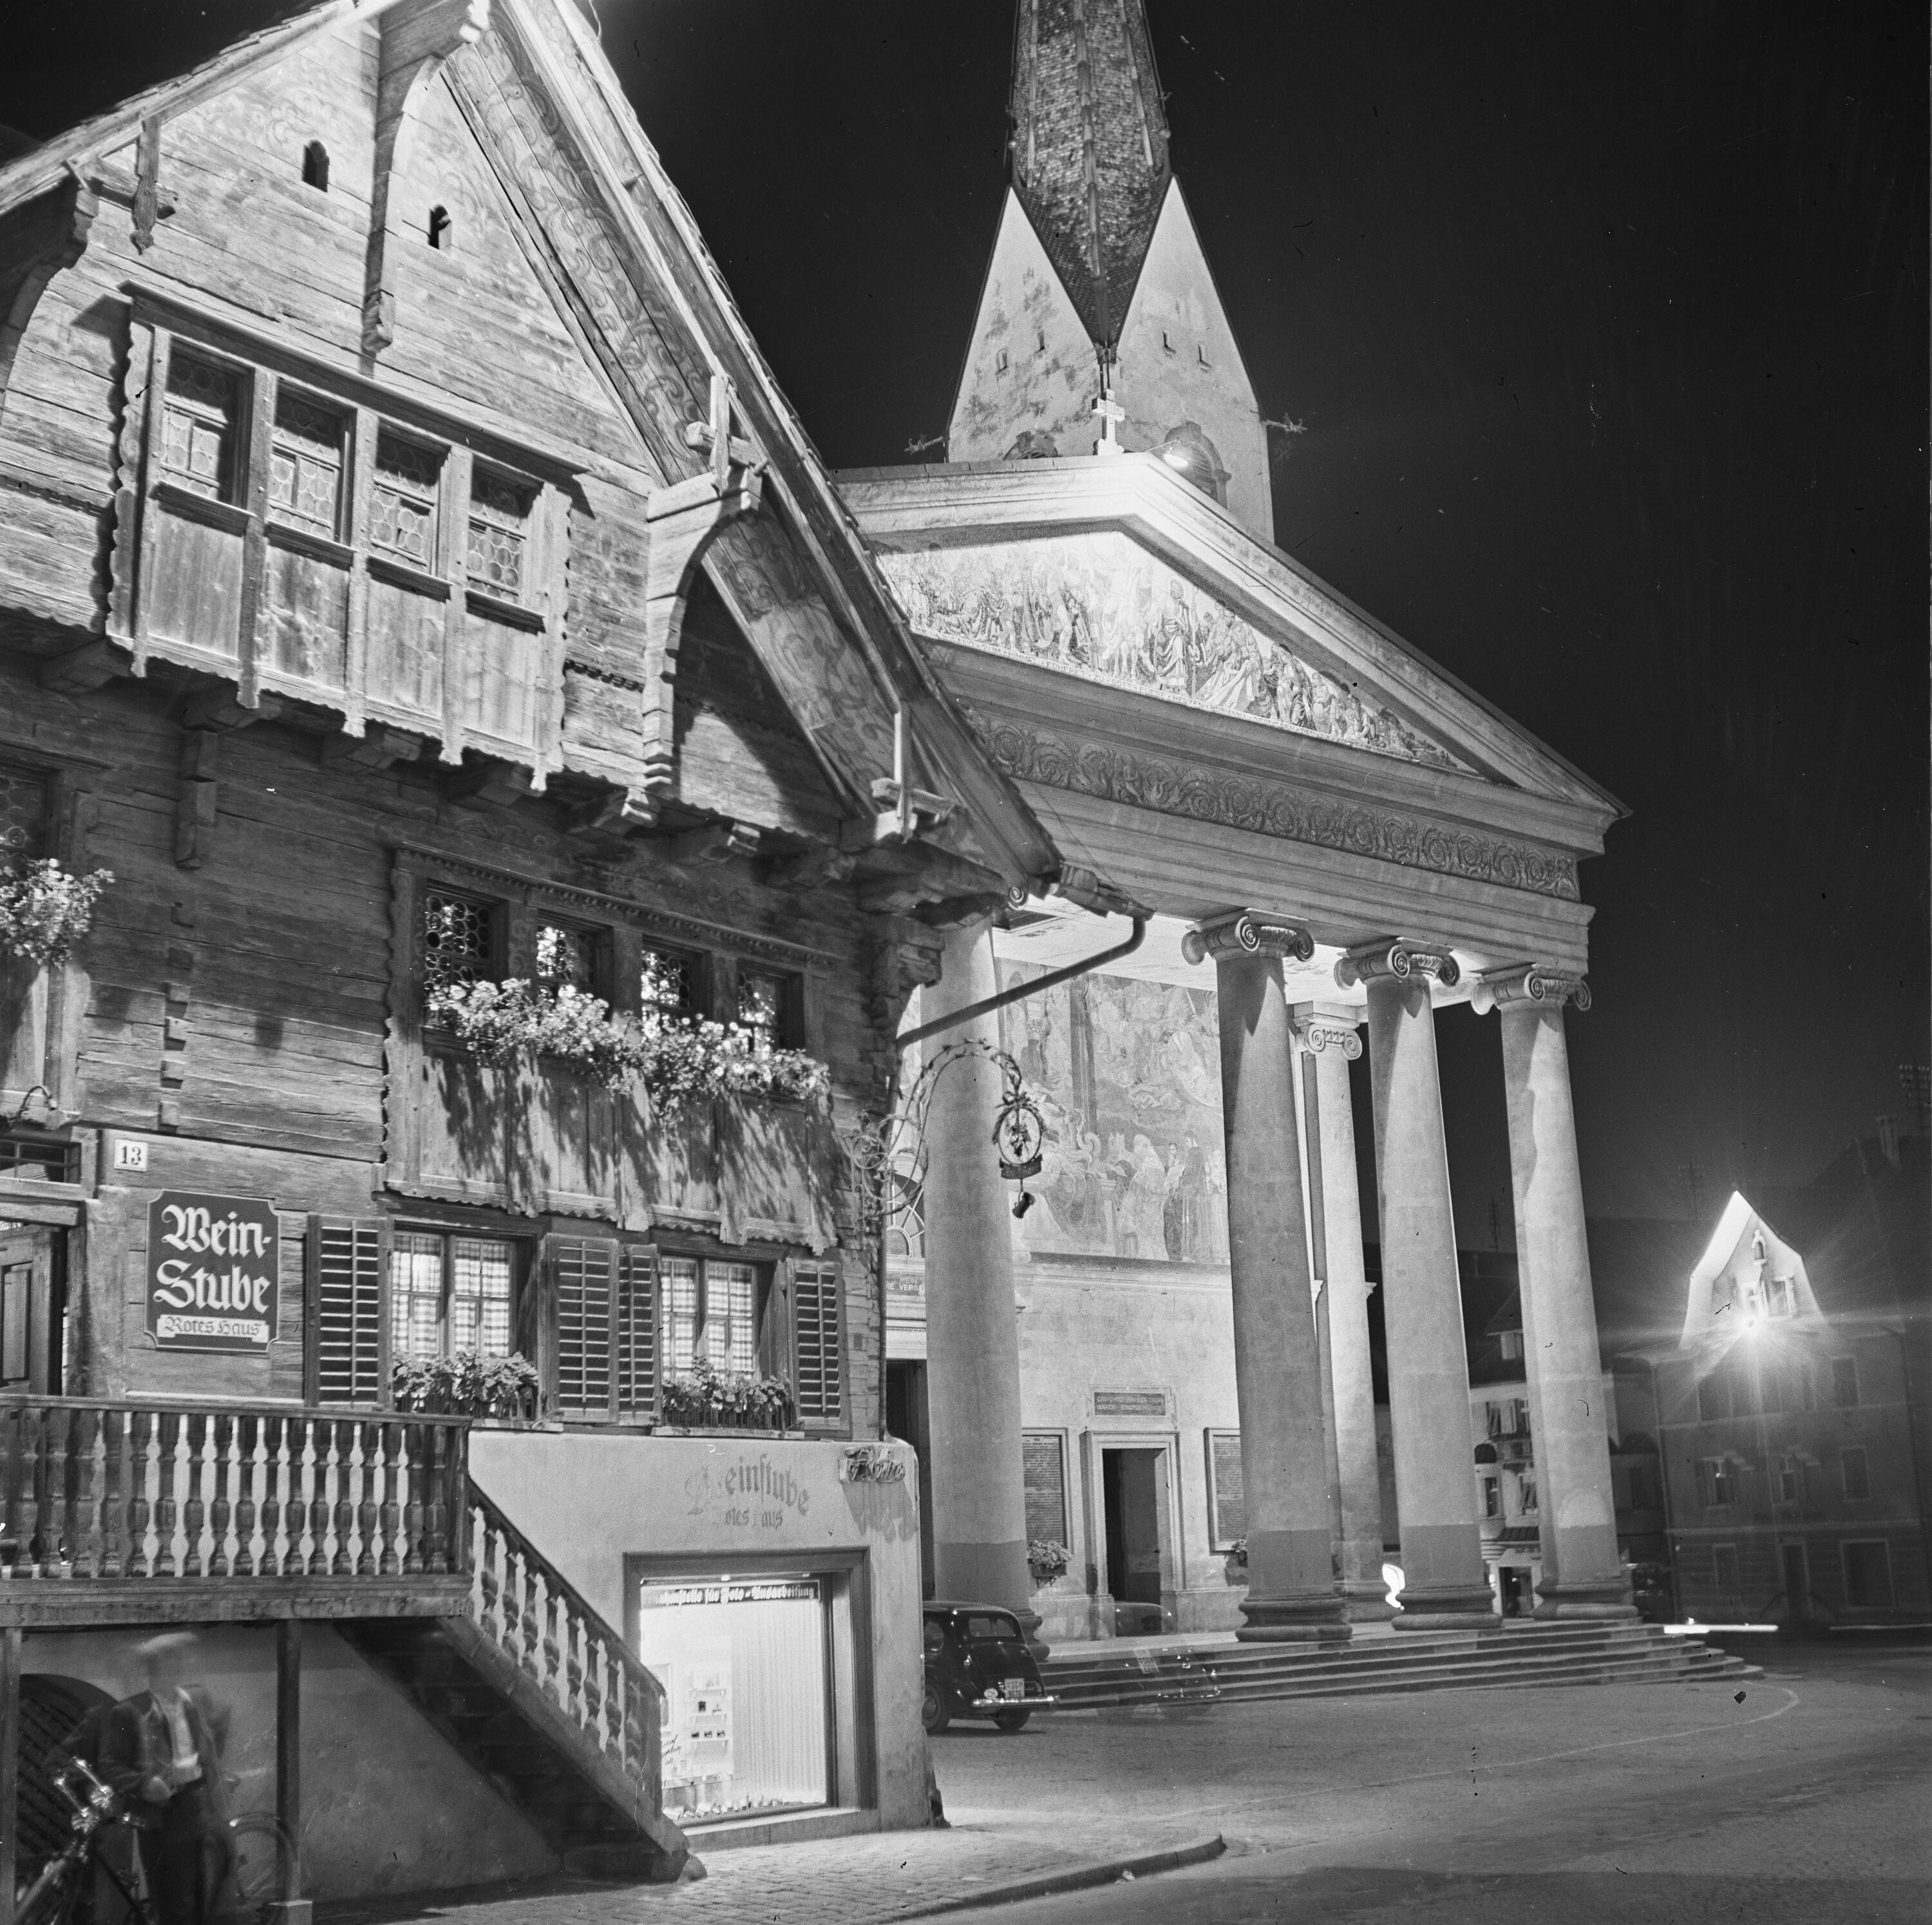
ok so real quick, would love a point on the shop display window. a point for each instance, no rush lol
(744, 1665)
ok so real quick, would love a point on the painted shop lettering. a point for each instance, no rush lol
(192, 1227)
(176, 1288)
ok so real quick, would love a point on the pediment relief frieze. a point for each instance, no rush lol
(1099, 606)
(1296, 814)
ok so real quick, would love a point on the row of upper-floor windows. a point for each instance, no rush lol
(1794, 1478)
(1741, 1388)
(208, 427)
(463, 940)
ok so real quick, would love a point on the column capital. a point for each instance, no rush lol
(1318, 1030)
(1400, 956)
(1527, 985)
(1251, 932)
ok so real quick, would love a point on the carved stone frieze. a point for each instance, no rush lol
(1099, 606)
(1275, 809)
(1528, 985)
(1400, 959)
(1317, 1032)
(1248, 932)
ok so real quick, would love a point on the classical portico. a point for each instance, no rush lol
(1220, 736)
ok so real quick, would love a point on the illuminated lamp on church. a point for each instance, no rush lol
(1188, 451)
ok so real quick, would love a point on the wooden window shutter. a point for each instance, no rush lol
(636, 1343)
(583, 1273)
(346, 1357)
(817, 1355)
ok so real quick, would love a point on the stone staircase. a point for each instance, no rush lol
(538, 1691)
(1101, 1675)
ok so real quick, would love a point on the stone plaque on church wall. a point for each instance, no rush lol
(1130, 1403)
(1226, 1506)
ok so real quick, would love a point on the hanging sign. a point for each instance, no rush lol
(213, 1272)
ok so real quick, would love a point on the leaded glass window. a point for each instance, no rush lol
(668, 987)
(198, 424)
(305, 465)
(567, 957)
(402, 518)
(458, 939)
(762, 1005)
(499, 515)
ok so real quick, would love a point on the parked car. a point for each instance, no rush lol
(977, 1666)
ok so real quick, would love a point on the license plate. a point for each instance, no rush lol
(1013, 1687)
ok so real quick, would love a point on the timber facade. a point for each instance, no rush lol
(413, 578)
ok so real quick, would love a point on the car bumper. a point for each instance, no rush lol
(991, 1704)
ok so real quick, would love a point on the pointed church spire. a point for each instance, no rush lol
(1089, 160)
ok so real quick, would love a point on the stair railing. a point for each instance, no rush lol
(92, 1490)
(533, 1613)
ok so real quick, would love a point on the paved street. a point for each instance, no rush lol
(1674, 1802)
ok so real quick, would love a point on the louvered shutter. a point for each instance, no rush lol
(816, 1354)
(584, 1290)
(636, 1341)
(348, 1360)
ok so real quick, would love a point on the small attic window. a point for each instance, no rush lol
(1200, 355)
(1165, 342)
(442, 230)
(1040, 334)
(315, 166)
(1000, 362)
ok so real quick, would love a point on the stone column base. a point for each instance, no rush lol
(1446, 1608)
(1366, 1603)
(1285, 1619)
(1609, 1602)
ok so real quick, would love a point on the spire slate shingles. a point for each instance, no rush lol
(1090, 161)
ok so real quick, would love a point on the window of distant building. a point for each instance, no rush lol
(1856, 1472)
(1526, 1486)
(1784, 1296)
(1724, 1569)
(1717, 1482)
(1845, 1382)
(1512, 1341)
(1492, 1497)
(1790, 1480)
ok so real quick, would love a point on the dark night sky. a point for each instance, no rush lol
(1609, 329)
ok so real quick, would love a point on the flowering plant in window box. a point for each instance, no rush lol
(44, 911)
(705, 1397)
(676, 1059)
(466, 1384)
(1047, 1558)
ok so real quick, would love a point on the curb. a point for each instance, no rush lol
(1075, 1877)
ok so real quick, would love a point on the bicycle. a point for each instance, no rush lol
(260, 1856)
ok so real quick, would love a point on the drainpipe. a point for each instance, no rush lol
(1077, 885)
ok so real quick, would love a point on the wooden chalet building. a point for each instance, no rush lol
(412, 578)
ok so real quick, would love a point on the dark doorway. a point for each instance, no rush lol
(33, 1308)
(1797, 1581)
(1130, 1483)
(1517, 1596)
(906, 1419)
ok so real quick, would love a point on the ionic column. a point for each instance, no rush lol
(1291, 1591)
(1444, 1583)
(1583, 1574)
(973, 1351)
(1329, 1044)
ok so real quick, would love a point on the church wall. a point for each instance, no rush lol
(1178, 362)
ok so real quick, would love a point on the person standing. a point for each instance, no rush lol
(161, 1749)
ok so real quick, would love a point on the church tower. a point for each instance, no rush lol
(1100, 329)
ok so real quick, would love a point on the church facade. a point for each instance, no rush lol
(1314, 831)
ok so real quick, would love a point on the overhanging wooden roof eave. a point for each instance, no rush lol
(1014, 841)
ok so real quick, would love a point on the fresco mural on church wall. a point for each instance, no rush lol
(1127, 1076)
(1100, 606)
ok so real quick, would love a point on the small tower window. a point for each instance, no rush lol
(442, 230)
(315, 166)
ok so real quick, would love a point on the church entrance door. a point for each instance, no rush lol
(1131, 1483)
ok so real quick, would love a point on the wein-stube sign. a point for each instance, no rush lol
(214, 1268)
